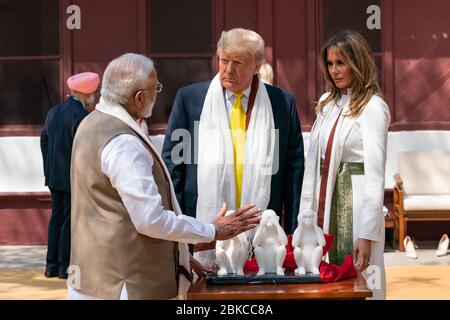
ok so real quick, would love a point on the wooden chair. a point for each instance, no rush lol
(422, 189)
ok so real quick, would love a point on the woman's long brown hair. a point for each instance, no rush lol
(355, 52)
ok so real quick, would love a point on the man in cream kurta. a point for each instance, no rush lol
(128, 234)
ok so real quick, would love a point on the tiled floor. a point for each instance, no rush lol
(418, 282)
(426, 256)
(427, 277)
(22, 256)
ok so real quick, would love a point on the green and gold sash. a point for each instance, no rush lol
(341, 214)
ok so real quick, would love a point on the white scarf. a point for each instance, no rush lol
(311, 179)
(117, 111)
(215, 177)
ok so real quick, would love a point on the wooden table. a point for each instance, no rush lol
(354, 289)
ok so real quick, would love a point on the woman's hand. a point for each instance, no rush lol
(361, 254)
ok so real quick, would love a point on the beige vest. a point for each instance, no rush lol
(105, 244)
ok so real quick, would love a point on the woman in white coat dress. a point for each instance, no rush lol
(351, 132)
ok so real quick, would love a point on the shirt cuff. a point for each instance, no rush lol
(210, 232)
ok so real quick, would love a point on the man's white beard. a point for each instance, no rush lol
(148, 109)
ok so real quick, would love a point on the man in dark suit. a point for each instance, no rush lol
(56, 145)
(240, 54)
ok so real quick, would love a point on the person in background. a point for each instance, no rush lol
(344, 170)
(266, 73)
(56, 145)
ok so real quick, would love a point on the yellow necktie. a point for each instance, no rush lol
(237, 123)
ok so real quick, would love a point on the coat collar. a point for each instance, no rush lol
(75, 100)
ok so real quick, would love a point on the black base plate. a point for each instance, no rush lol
(271, 278)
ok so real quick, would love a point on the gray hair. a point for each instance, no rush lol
(124, 76)
(242, 40)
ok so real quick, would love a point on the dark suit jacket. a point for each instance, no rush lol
(286, 184)
(56, 142)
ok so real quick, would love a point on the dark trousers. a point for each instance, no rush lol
(58, 248)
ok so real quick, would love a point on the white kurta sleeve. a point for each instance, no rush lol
(128, 165)
(374, 123)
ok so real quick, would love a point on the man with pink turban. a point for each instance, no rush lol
(56, 145)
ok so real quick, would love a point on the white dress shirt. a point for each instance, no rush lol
(128, 165)
(230, 98)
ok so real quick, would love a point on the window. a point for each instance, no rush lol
(180, 26)
(27, 91)
(180, 43)
(29, 60)
(174, 74)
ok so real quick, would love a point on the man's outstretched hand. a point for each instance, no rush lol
(241, 220)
